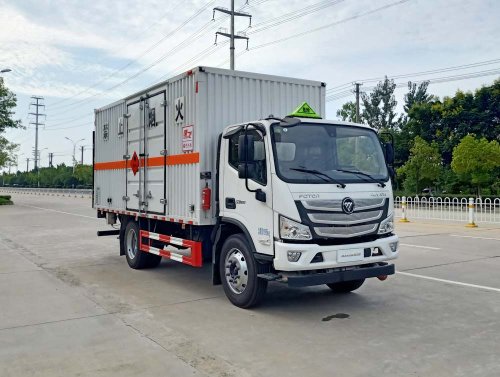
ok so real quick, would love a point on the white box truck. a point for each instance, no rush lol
(216, 165)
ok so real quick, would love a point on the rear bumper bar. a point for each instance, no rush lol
(361, 272)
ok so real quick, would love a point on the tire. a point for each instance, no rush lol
(346, 286)
(238, 271)
(136, 258)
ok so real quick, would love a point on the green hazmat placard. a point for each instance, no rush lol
(305, 111)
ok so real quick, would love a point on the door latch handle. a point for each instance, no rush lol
(230, 203)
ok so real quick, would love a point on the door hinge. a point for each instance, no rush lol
(126, 156)
(164, 152)
(164, 201)
(125, 198)
(126, 115)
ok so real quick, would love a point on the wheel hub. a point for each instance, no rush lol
(131, 244)
(236, 271)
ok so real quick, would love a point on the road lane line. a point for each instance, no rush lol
(484, 287)
(481, 238)
(420, 246)
(54, 210)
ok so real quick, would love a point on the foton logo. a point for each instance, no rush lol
(347, 205)
(308, 196)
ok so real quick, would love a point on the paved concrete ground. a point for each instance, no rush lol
(70, 306)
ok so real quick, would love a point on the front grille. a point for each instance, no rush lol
(335, 205)
(328, 220)
(344, 218)
(346, 231)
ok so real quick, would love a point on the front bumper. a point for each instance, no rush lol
(361, 272)
(329, 253)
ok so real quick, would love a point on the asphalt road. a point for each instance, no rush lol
(71, 306)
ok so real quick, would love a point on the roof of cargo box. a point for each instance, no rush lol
(216, 71)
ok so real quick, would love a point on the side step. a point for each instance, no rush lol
(113, 232)
(269, 276)
(194, 259)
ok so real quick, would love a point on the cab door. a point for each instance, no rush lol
(240, 204)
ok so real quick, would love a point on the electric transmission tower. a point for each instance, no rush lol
(231, 34)
(37, 102)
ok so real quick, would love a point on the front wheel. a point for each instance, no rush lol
(346, 286)
(136, 258)
(239, 269)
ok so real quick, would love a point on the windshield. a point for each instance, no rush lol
(317, 153)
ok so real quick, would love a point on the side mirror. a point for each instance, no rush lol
(389, 153)
(246, 155)
(392, 172)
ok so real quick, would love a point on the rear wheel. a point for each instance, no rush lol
(136, 258)
(238, 269)
(346, 286)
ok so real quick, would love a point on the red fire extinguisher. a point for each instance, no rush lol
(206, 197)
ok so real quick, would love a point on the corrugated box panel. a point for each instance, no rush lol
(182, 180)
(112, 148)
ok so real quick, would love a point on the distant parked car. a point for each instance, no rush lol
(427, 192)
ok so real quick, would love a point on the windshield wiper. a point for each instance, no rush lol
(320, 175)
(372, 179)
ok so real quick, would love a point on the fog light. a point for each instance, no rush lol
(394, 246)
(294, 256)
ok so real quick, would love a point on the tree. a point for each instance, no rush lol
(6, 152)
(84, 174)
(477, 160)
(416, 94)
(7, 103)
(423, 167)
(379, 107)
(347, 112)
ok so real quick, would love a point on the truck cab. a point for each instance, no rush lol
(302, 201)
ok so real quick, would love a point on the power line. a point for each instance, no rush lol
(186, 42)
(436, 80)
(143, 53)
(376, 10)
(439, 70)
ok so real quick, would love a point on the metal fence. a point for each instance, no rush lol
(77, 193)
(451, 209)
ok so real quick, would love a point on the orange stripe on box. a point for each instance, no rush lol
(180, 159)
(176, 159)
(110, 165)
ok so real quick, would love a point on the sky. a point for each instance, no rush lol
(81, 55)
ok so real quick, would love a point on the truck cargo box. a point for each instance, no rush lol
(156, 150)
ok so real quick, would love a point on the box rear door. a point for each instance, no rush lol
(135, 135)
(155, 161)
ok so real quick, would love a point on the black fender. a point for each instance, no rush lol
(226, 227)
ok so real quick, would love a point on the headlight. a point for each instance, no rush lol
(292, 230)
(387, 225)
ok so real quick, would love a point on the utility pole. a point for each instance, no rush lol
(27, 164)
(51, 156)
(82, 148)
(357, 101)
(37, 102)
(231, 35)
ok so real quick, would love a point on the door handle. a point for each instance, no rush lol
(230, 203)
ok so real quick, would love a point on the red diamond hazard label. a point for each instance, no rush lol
(134, 163)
